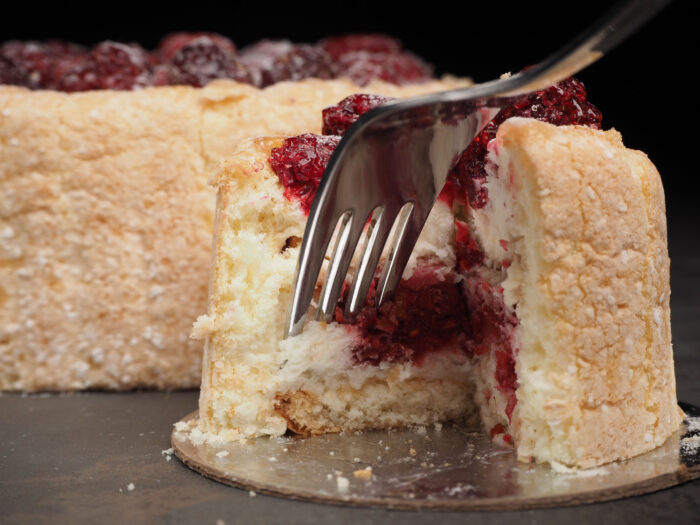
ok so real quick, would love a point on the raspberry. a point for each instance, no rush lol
(110, 65)
(564, 103)
(27, 64)
(362, 67)
(426, 312)
(202, 60)
(303, 61)
(300, 162)
(260, 58)
(338, 46)
(337, 119)
(174, 42)
(9, 74)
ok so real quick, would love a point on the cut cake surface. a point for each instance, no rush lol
(575, 264)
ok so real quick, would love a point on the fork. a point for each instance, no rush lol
(391, 165)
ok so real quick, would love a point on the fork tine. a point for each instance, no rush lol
(311, 256)
(408, 228)
(348, 237)
(379, 231)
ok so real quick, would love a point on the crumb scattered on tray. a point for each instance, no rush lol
(130, 487)
(412, 451)
(252, 494)
(343, 483)
(365, 473)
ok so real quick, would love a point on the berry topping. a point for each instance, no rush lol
(9, 73)
(300, 162)
(173, 43)
(564, 103)
(338, 46)
(427, 312)
(110, 65)
(34, 64)
(302, 61)
(198, 58)
(337, 119)
(27, 64)
(398, 68)
(204, 59)
(260, 59)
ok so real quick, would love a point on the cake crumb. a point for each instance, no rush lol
(690, 445)
(421, 431)
(438, 426)
(365, 473)
(343, 483)
(356, 460)
(252, 494)
(130, 487)
(412, 451)
(222, 453)
(167, 452)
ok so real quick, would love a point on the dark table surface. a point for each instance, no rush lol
(71, 458)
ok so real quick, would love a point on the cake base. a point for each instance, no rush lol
(452, 468)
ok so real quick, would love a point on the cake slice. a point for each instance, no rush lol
(536, 299)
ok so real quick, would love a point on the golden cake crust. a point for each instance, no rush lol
(603, 278)
(105, 218)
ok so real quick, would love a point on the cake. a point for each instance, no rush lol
(536, 300)
(105, 214)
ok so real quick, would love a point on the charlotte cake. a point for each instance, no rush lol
(536, 298)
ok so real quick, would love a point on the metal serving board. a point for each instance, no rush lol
(450, 468)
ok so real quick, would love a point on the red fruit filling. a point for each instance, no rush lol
(337, 119)
(198, 58)
(431, 311)
(564, 103)
(299, 163)
(427, 312)
(492, 325)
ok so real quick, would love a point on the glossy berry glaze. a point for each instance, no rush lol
(195, 59)
(432, 311)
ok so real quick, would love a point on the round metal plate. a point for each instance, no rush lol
(450, 468)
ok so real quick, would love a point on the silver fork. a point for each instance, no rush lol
(393, 162)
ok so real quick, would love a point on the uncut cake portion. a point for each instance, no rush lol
(106, 216)
(536, 297)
